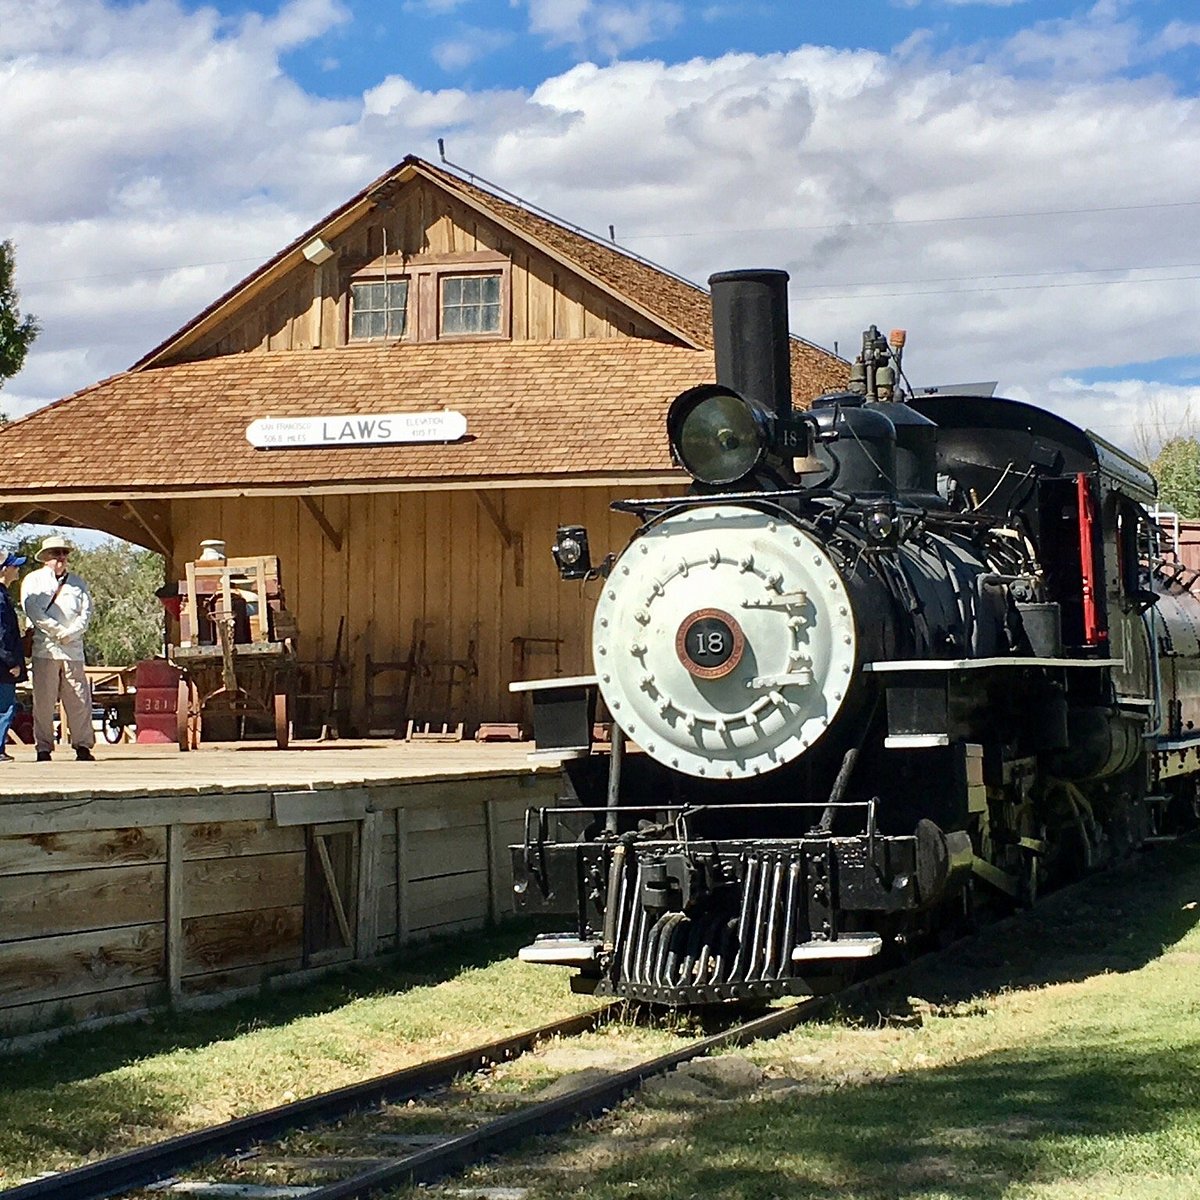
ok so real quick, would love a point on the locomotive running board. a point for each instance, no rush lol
(848, 945)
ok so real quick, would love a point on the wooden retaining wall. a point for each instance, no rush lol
(112, 906)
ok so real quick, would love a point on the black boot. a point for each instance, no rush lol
(83, 754)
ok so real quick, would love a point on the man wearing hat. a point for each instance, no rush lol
(58, 606)
(12, 653)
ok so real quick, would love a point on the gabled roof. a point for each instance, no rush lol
(569, 410)
(678, 307)
(552, 411)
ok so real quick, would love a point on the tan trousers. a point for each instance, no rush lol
(54, 680)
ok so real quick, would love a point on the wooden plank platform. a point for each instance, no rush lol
(151, 876)
(132, 770)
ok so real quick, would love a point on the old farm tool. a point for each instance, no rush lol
(237, 646)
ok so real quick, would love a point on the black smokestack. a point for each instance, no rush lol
(750, 335)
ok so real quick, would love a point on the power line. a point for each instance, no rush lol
(228, 262)
(1006, 275)
(1048, 212)
(847, 224)
(1019, 287)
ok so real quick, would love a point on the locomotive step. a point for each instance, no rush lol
(563, 951)
(848, 945)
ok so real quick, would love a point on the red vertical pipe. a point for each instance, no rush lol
(1093, 632)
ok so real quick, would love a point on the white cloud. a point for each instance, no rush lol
(603, 27)
(164, 153)
(435, 8)
(1178, 35)
(1138, 415)
(467, 46)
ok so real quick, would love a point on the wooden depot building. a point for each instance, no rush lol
(423, 294)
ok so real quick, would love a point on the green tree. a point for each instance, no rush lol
(16, 332)
(127, 618)
(1177, 469)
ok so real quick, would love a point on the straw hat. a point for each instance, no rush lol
(51, 543)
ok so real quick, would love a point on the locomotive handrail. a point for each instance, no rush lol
(673, 813)
(664, 504)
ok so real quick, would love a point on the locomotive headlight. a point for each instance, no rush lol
(571, 552)
(881, 523)
(716, 435)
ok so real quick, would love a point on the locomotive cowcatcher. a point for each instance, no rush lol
(892, 657)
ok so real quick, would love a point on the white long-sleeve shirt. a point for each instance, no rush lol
(57, 626)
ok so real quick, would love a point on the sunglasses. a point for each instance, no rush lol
(57, 553)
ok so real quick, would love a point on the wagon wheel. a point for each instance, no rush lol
(283, 725)
(114, 727)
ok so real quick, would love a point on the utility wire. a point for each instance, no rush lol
(1004, 275)
(1050, 212)
(1021, 287)
(849, 224)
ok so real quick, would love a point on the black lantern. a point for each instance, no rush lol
(571, 552)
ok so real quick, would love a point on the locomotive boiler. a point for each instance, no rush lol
(892, 658)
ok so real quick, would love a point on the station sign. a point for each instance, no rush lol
(356, 429)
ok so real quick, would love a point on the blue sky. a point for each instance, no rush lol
(1011, 180)
(495, 44)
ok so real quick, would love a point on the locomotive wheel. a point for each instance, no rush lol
(283, 726)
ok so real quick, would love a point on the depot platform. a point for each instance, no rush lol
(152, 876)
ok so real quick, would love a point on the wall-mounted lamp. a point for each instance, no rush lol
(318, 251)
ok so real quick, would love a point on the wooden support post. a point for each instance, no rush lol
(368, 874)
(491, 821)
(173, 915)
(318, 515)
(512, 540)
(160, 537)
(402, 910)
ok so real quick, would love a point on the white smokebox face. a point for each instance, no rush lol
(724, 642)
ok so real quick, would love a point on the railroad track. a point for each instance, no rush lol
(432, 1157)
(153, 1166)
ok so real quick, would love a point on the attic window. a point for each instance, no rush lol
(378, 309)
(471, 304)
(428, 297)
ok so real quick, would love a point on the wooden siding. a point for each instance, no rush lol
(103, 921)
(307, 308)
(436, 558)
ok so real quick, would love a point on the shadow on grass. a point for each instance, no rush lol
(79, 1055)
(973, 1131)
(1113, 923)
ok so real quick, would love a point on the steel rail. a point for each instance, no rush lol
(551, 1116)
(138, 1168)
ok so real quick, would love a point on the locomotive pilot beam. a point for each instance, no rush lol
(891, 658)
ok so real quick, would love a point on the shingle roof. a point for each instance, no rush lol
(555, 410)
(567, 409)
(680, 306)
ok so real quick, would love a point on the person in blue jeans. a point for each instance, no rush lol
(12, 653)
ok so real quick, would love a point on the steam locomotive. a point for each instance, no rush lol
(893, 658)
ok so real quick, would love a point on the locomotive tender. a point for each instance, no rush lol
(891, 657)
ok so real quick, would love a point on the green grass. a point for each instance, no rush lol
(1054, 1060)
(94, 1093)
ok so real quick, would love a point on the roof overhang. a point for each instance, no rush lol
(60, 497)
